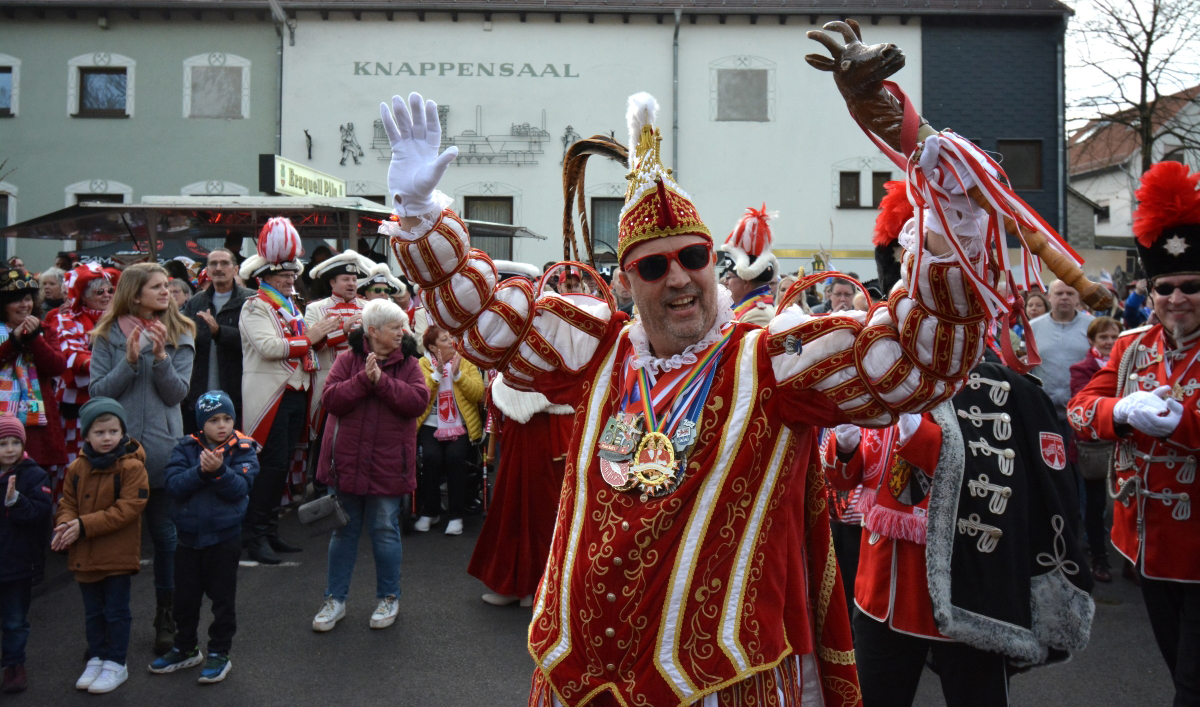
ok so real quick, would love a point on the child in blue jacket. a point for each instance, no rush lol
(209, 477)
(23, 524)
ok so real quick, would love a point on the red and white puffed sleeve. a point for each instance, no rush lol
(906, 354)
(503, 326)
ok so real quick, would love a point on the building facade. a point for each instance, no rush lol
(745, 121)
(116, 104)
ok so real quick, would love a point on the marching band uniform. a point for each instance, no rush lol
(966, 550)
(277, 376)
(748, 248)
(1145, 400)
(327, 349)
(695, 564)
(534, 434)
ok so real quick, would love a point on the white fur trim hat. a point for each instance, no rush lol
(749, 244)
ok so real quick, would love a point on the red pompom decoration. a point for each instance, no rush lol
(1166, 198)
(894, 211)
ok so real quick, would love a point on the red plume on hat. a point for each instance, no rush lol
(894, 211)
(1166, 198)
(278, 241)
(749, 244)
(279, 248)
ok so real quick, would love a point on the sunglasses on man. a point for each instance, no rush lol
(377, 290)
(652, 268)
(1164, 289)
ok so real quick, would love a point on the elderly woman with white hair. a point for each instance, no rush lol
(373, 395)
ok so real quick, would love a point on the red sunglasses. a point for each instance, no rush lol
(652, 268)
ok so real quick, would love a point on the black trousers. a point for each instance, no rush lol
(1093, 518)
(890, 665)
(846, 542)
(210, 571)
(440, 460)
(1174, 609)
(275, 461)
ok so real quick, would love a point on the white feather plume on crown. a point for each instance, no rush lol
(642, 111)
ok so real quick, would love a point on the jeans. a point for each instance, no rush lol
(162, 535)
(1174, 609)
(275, 462)
(440, 460)
(106, 617)
(208, 570)
(1096, 498)
(890, 665)
(383, 516)
(14, 619)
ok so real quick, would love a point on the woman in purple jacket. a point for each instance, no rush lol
(374, 394)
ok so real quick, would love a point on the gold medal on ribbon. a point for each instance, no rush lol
(654, 463)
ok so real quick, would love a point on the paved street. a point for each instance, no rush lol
(449, 649)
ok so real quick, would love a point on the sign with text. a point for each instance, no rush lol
(279, 175)
(469, 68)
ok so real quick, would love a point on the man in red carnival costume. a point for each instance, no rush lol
(1144, 400)
(691, 560)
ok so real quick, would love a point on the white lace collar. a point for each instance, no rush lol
(644, 358)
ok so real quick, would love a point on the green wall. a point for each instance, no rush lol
(157, 151)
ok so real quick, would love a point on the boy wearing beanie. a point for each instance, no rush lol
(209, 477)
(100, 520)
(26, 514)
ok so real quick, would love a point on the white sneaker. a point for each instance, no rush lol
(111, 676)
(454, 527)
(331, 612)
(90, 673)
(385, 613)
(423, 523)
(500, 599)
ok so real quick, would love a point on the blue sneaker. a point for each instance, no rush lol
(176, 659)
(215, 668)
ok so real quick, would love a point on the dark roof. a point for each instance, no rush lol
(1103, 143)
(852, 8)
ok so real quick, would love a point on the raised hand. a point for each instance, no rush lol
(415, 134)
(210, 462)
(157, 333)
(11, 494)
(211, 321)
(133, 346)
(372, 368)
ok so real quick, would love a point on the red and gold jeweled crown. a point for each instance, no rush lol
(655, 205)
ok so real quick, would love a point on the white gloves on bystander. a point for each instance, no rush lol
(1151, 412)
(907, 426)
(848, 437)
(415, 134)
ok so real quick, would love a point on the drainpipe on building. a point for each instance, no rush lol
(1062, 142)
(674, 102)
(281, 22)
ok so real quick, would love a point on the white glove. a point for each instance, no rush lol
(416, 167)
(848, 437)
(1153, 403)
(1158, 425)
(907, 426)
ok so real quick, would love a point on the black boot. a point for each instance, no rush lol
(164, 624)
(259, 550)
(278, 544)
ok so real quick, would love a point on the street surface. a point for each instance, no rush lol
(448, 648)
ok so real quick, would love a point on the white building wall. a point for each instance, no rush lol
(790, 162)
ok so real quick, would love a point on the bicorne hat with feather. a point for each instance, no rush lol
(1166, 223)
(279, 250)
(344, 263)
(749, 246)
(895, 210)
